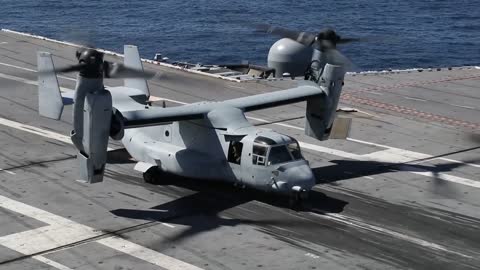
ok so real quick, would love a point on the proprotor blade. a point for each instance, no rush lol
(66, 69)
(302, 37)
(120, 71)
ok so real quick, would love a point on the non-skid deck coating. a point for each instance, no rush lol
(401, 193)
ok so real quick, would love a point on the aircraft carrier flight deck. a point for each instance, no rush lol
(402, 192)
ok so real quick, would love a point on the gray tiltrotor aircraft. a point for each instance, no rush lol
(204, 140)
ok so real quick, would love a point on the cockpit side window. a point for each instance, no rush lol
(259, 155)
(294, 150)
(235, 152)
(278, 154)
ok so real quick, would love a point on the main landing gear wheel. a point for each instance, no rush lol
(153, 176)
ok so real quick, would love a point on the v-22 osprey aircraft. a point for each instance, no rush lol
(204, 140)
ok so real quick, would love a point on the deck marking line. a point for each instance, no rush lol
(386, 156)
(417, 99)
(362, 225)
(38, 131)
(26, 81)
(413, 155)
(462, 106)
(7, 171)
(51, 263)
(62, 231)
(33, 70)
(145, 254)
(167, 225)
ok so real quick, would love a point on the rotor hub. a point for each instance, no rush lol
(328, 39)
(92, 63)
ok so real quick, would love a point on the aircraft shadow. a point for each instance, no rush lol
(201, 211)
(119, 156)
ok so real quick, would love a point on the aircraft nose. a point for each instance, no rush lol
(301, 176)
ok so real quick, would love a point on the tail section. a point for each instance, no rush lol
(50, 102)
(132, 60)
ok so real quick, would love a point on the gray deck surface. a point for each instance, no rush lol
(370, 210)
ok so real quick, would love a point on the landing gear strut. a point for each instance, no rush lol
(297, 198)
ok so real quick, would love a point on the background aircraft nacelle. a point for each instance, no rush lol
(289, 56)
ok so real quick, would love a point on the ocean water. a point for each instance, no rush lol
(404, 34)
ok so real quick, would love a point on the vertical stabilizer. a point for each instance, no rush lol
(132, 60)
(50, 103)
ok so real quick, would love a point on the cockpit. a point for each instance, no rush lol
(268, 152)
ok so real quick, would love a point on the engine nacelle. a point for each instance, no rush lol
(320, 113)
(97, 117)
(288, 56)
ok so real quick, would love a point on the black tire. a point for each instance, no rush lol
(152, 176)
(297, 200)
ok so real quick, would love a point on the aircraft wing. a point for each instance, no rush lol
(156, 115)
(277, 98)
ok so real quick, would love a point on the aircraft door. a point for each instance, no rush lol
(234, 157)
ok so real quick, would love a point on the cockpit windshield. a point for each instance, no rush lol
(278, 154)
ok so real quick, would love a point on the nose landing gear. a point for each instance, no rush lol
(298, 196)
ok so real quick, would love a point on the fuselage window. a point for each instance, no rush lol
(278, 154)
(235, 152)
(259, 155)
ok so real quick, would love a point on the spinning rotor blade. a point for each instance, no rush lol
(72, 68)
(333, 56)
(302, 37)
(307, 38)
(119, 71)
(66, 69)
(349, 40)
(91, 62)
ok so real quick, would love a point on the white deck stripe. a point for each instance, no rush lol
(145, 254)
(416, 99)
(386, 156)
(7, 171)
(51, 263)
(62, 231)
(35, 130)
(411, 154)
(33, 70)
